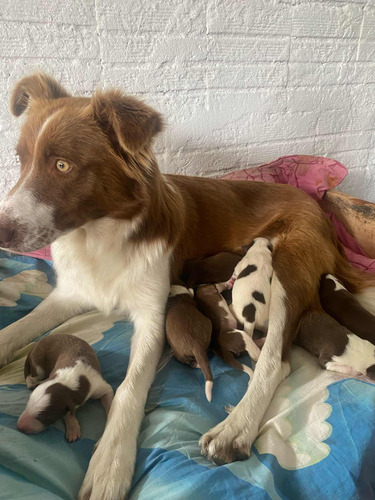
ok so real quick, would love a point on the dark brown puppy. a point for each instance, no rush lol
(189, 332)
(337, 348)
(227, 340)
(214, 269)
(343, 306)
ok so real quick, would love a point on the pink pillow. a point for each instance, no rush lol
(313, 174)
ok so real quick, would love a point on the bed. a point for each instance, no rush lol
(316, 439)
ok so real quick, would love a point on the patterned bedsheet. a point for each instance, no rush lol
(316, 440)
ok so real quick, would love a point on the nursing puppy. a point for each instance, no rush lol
(342, 305)
(189, 333)
(227, 339)
(251, 281)
(336, 347)
(213, 269)
(120, 233)
(65, 372)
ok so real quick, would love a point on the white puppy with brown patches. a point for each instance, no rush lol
(251, 281)
(74, 376)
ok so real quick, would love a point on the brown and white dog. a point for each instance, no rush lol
(121, 231)
(64, 372)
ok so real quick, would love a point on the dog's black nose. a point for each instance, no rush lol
(6, 235)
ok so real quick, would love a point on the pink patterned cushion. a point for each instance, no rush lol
(313, 174)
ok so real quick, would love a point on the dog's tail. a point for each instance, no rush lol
(204, 365)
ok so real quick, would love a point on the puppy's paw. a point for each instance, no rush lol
(73, 433)
(229, 408)
(226, 443)
(32, 382)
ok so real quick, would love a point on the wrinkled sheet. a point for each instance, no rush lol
(316, 440)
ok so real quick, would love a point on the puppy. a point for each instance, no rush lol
(251, 281)
(337, 348)
(214, 269)
(342, 305)
(227, 340)
(73, 375)
(189, 332)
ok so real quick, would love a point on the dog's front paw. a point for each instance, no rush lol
(110, 472)
(227, 443)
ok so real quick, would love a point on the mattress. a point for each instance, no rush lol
(316, 439)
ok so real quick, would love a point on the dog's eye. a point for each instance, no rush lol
(62, 166)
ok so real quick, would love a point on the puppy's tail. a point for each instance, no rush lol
(204, 365)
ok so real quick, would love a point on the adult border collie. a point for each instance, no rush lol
(120, 231)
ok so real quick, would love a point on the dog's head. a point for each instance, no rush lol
(50, 401)
(81, 159)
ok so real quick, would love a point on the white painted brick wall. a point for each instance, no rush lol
(240, 82)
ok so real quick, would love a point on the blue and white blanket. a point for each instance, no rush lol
(316, 440)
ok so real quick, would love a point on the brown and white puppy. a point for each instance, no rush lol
(227, 339)
(65, 372)
(337, 348)
(214, 269)
(189, 332)
(120, 233)
(345, 308)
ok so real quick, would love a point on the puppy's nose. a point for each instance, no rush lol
(6, 235)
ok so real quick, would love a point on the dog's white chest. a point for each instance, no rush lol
(107, 272)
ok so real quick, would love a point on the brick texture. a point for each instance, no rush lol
(240, 82)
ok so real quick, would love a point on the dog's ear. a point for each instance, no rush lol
(127, 121)
(37, 86)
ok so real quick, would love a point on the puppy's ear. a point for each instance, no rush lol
(245, 248)
(127, 121)
(37, 86)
